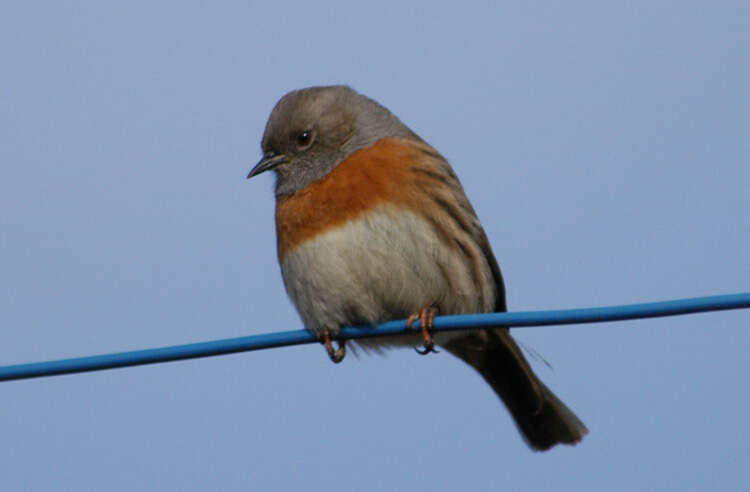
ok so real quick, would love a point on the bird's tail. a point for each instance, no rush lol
(540, 416)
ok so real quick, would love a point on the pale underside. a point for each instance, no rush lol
(385, 265)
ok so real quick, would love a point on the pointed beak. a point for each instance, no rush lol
(266, 163)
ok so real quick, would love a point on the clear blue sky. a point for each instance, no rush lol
(605, 148)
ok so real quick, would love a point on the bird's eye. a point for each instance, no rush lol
(304, 139)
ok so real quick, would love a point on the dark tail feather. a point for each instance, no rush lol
(540, 416)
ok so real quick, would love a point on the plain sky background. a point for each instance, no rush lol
(604, 146)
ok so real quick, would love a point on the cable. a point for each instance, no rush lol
(297, 337)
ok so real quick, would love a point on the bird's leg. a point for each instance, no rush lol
(426, 318)
(336, 355)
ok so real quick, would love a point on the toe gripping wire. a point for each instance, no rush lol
(426, 319)
(337, 354)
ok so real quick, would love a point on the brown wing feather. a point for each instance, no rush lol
(540, 416)
(435, 166)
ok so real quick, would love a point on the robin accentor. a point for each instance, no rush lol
(373, 225)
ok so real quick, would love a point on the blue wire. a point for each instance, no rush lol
(297, 337)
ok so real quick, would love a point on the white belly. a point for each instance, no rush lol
(380, 267)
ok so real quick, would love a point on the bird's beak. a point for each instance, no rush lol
(266, 163)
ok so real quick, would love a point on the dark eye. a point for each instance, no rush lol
(304, 139)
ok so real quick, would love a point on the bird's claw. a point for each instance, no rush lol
(336, 355)
(426, 319)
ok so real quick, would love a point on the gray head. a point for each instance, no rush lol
(311, 131)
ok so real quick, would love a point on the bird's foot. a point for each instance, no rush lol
(426, 319)
(336, 355)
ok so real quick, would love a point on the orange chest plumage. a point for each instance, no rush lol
(369, 177)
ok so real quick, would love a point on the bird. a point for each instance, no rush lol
(373, 225)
